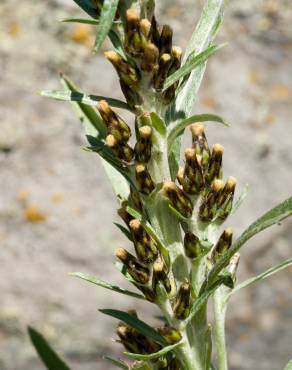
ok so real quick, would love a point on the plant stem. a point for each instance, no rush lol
(219, 313)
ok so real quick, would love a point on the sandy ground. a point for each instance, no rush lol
(46, 176)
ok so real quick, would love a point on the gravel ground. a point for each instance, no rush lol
(45, 177)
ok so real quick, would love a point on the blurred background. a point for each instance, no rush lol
(57, 207)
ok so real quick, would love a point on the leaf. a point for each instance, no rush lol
(240, 199)
(48, 356)
(106, 285)
(124, 230)
(117, 44)
(158, 123)
(81, 20)
(105, 152)
(106, 19)
(192, 63)
(289, 365)
(92, 120)
(87, 115)
(176, 129)
(136, 323)
(271, 271)
(148, 228)
(88, 7)
(116, 362)
(207, 27)
(211, 19)
(124, 270)
(178, 215)
(203, 298)
(152, 356)
(119, 182)
(83, 98)
(274, 216)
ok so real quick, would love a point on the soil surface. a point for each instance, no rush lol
(57, 207)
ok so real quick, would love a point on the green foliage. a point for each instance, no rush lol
(45, 352)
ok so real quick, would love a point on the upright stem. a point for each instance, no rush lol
(219, 313)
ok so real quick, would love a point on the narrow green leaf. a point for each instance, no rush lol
(88, 7)
(136, 323)
(203, 298)
(84, 21)
(274, 216)
(48, 356)
(117, 44)
(178, 215)
(150, 231)
(106, 285)
(80, 20)
(192, 63)
(176, 129)
(87, 114)
(125, 231)
(271, 271)
(106, 19)
(116, 362)
(76, 96)
(152, 356)
(240, 199)
(289, 365)
(158, 123)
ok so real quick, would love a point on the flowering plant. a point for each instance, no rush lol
(173, 215)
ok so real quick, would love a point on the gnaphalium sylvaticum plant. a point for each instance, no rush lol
(184, 255)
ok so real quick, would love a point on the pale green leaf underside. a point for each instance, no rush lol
(79, 97)
(135, 323)
(48, 356)
(116, 362)
(106, 285)
(274, 216)
(106, 19)
(264, 275)
(207, 27)
(119, 182)
(152, 356)
(192, 63)
(175, 130)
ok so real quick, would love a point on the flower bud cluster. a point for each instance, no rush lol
(147, 268)
(151, 58)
